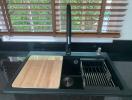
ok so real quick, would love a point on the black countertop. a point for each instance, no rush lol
(124, 68)
(119, 50)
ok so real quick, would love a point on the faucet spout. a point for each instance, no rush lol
(68, 30)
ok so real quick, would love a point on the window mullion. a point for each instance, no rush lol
(53, 16)
(101, 16)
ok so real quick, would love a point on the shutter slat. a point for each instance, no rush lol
(92, 4)
(86, 10)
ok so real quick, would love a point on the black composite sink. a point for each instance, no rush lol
(77, 80)
(89, 72)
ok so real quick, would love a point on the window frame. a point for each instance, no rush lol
(55, 33)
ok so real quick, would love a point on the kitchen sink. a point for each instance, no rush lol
(89, 72)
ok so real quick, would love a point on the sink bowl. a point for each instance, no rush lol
(89, 72)
(71, 74)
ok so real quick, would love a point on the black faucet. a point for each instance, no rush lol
(68, 30)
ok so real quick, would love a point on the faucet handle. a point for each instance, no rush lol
(98, 51)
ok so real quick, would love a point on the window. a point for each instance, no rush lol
(48, 17)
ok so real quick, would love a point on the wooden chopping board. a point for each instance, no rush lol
(40, 72)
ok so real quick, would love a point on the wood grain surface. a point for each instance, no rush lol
(40, 72)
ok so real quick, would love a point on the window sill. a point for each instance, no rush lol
(54, 39)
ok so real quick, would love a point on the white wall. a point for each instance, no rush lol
(126, 33)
